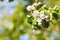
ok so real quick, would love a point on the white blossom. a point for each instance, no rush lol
(39, 20)
(39, 3)
(35, 4)
(42, 16)
(33, 8)
(30, 8)
(46, 16)
(35, 13)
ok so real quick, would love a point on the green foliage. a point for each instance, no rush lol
(39, 6)
(40, 36)
(55, 16)
(1, 0)
(30, 19)
(11, 0)
(45, 24)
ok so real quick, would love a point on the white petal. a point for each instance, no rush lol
(46, 16)
(39, 23)
(35, 13)
(39, 3)
(33, 8)
(29, 8)
(35, 4)
(39, 20)
(42, 16)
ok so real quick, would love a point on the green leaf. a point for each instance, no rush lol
(45, 24)
(45, 7)
(11, 0)
(55, 16)
(39, 6)
(30, 19)
(28, 25)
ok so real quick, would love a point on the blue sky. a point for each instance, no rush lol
(8, 6)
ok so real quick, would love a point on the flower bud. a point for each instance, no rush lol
(39, 23)
(35, 4)
(30, 8)
(39, 3)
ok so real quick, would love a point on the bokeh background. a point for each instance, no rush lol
(13, 20)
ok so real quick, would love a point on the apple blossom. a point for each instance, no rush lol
(35, 13)
(35, 4)
(39, 20)
(30, 8)
(39, 3)
(42, 16)
(46, 16)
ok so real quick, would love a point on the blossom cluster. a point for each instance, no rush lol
(40, 18)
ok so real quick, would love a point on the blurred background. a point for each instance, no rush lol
(13, 20)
